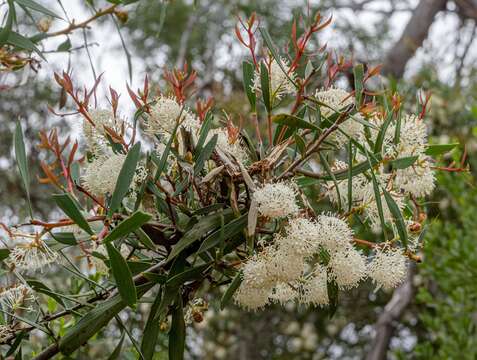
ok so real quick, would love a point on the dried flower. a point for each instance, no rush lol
(230, 146)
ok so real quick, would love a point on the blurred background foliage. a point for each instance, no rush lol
(439, 322)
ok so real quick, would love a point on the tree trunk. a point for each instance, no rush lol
(414, 34)
(392, 312)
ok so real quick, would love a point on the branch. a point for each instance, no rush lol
(84, 24)
(392, 312)
(414, 34)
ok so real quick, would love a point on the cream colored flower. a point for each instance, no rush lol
(388, 268)
(276, 200)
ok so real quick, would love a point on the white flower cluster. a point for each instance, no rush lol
(16, 297)
(30, 254)
(416, 180)
(276, 200)
(281, 83)
(164, 116)
(101, 174)
(288, 269)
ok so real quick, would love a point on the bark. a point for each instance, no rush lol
(392, 312)
(414, 34)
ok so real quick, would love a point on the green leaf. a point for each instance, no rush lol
(404, 162)
(117, 350)
(127, 226)
(122, 275)
(327, 168)
(204, 131)
(333, 297)
(439, 149)
(294, 122)
(5, 32)
(94, 321)
(377, 196)
(67, 238)
(357, 169)
(265, 86)
(378, 145)
(20, 156)
(248, 71)
(151, 331)
(228, 231)
(205, 154)
(300, 144)
(40, 287)
(4, 253)
(125, 177)
(177, 333)
(17, 40)
(64, 46)
(70, 207)
(358, 72)
(203, 226)
(187, 275)
(145, 239)
(397, 216)
(350, 175)
(161, 166)
(37, 7)
(271, 46)
(231, 290)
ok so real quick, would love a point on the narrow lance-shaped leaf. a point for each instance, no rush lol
(265, 87)
(358, 72)
(37, 7)
(205, 154)
(271, 46)
(151, 331)
(404, 162)
(161, 166)
(177, 333)
(333, 178)
(231, 290)
(127, 226)
(204, 225)
(94, 321)
(294, 122)
(5, 31)
(397, 216)
(125, 177)
(377, 196)
(71, 208)
(350, 176)
(122, 275)
(20, 155)
(248, 72)
(438, 149)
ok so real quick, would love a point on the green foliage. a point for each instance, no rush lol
(448, 294)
